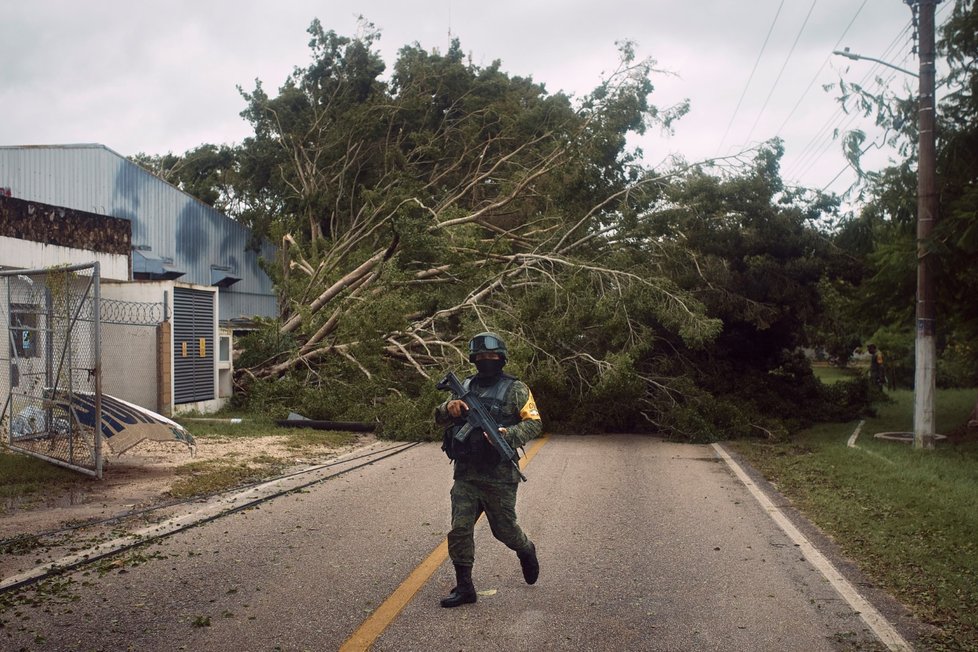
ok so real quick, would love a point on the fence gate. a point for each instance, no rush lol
(52, 401)
(54, 369)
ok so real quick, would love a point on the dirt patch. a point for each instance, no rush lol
(142, 478)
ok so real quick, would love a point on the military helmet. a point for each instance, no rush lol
(486, 343)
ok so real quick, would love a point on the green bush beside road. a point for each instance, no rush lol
(908, 517)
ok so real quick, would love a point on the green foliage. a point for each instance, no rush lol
(402, 409)
(318, 106)
(883, 235)
(610, 403)
(332, 399)
(407, 418)
(754, 263)
(703, 418)
(25, 477)
(955, 367)
(207, 172)
(264, 344)
(618, 385)
(835, 329)
(897, 344)
(829, 374)
(845, 400)
(731, 400)
(453, 198)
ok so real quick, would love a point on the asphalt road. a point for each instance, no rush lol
(643, 545)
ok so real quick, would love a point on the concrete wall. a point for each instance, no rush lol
(129, 372)
(145, 352)
(22, 254)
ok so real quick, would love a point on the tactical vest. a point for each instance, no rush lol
(476, 450)
(493, 397)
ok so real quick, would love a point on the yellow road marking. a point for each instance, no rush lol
(375, 624)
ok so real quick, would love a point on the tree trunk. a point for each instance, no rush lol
(350, 279)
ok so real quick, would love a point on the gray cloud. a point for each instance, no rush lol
(157, 77)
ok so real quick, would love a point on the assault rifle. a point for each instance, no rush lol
(477, 419)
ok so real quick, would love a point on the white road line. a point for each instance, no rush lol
(883, 629)
(852, 444)
(855, 434)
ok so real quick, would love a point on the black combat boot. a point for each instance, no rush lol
(464, 591)
(529, 563)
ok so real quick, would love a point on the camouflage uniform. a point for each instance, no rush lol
(491, 490)
(877, 375)
(483, 483)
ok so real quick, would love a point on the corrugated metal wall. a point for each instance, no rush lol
(170, 222)
(193, 346)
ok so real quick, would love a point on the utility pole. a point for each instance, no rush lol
(927, 204)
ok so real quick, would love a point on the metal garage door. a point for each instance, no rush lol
(193, 345)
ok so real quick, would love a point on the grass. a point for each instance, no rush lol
(829, 374)
(303, 439)
(908, 517)
(213, 476)
(24, 479)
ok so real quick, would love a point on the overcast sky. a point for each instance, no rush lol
(159, 77)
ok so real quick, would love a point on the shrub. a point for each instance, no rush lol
(956, 367)
(409, 418)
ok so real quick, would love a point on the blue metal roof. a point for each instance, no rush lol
(172, 232)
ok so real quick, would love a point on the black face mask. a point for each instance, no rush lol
(489, 368)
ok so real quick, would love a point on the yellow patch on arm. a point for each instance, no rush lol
(529, 410)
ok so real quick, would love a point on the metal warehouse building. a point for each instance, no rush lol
(177, 277)
(174, 236)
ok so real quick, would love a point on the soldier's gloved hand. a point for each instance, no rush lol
(502, 431)
(456, 408)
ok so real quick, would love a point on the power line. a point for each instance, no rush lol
(825, 135)
(760, 54)
(848, 166)
(829, 140)
(824, 138)
(780, 72)
(815, 77)
(842, 124)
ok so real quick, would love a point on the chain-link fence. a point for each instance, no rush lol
(73, 353)
(52, 393)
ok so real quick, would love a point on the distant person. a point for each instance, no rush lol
(877, 368)
(484, 482)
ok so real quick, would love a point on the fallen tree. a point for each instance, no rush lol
(452, 199)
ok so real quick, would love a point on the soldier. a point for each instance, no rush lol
(484, 482)
(877, 368)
